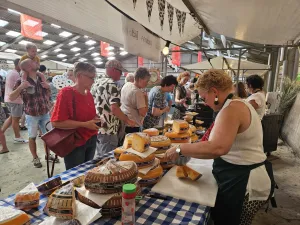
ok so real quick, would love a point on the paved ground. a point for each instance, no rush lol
(16, 171)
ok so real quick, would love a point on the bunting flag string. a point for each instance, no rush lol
(31, 27)
(170, 16)
(179, 16)
(149, 4)
(183, 17)
(161, 8)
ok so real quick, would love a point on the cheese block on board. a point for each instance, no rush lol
(187, 172)
(192, 130)
(194, 138)
(127, 141)
(110, 177)
(11, 216)
(178, 138)
(162, 143)
(140, 162)
(61, 203)
(49, 186)
(180, 126)
(118, 151)
(27, 198)
(140, 142)
(152, 177)
(151, 132)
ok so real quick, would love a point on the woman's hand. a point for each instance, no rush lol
(92, 124)
(183, 100)
(171, 154)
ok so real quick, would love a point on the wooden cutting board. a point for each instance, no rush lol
(202, 191)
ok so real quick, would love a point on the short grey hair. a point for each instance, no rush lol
(83, 67)
(30, 45)
(129, 77)
(141, 73)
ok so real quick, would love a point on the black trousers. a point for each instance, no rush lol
(129, 130)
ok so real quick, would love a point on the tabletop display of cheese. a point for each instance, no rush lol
(110, 177)
(151, 132)
(194, 138)
(178, 138)
(152, 177)
(180, 126)
(61, 203)
(187, 172)
(127, 141)
(192, 130)
(118, 151)
(27, 198)
(140, 162)
(11, 216)
(162, 143)
(166, 163)
(140, 142)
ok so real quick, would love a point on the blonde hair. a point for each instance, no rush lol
(218, 79)
(182, 75)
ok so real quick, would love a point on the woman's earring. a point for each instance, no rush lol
(216, 102)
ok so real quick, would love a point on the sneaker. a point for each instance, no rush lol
(52, 158)
(20, 141)
(37, 163)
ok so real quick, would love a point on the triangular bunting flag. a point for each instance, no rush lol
(183, 17)
(179, 16)
(170, 16)
(161, 8)
(134, 3)
(149, 4)
(31, 27)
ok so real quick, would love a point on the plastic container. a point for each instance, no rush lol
(128, 204)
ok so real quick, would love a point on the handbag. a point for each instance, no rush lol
(61, 141)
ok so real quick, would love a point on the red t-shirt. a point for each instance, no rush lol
(84, 110)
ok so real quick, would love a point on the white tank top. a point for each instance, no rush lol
(247, 148)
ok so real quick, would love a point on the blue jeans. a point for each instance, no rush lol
(81, 154)
(35, 122)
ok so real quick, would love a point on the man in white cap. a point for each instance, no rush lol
(107, 97)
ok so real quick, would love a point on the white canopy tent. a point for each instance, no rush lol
(247, 68)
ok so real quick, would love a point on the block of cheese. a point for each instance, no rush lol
(192, 130)
(127, 141)
(109, 177)
(180, 126)
(151, 132)
(162, 143)
(140, 162)
(11, 216)
(194, 138)
(178, 138)
(50, 186)
(27, 198)
(152, 177)
(61, 203)
(118, 151)
(140, 142)
(187, 172)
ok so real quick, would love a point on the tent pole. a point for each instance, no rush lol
(270, 73)
(277, 68)
(284, 68)
(238, 72)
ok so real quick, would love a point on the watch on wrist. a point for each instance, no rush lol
(178, 150)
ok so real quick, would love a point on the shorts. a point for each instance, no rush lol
(35, 122)
(16, 110)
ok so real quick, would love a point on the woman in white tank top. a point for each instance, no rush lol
(235, 144)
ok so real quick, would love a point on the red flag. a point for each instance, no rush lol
(103, 47)
(140, 61)
(199, 56)
(31, 27)
(176, 57)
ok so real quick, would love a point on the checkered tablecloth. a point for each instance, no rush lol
(157, 209)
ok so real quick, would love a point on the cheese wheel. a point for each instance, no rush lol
(194, 138)
(178, 138)
(166, 164)
(162, 143)
(192, 130)
(11, 216)
(152, 177)
(140, 162)
(127, 141)
(61, 203)
(110, 177)
(140, 142)
(50, 186)
(180, 126)
(28, 197)
(151, 132)
(118, 151)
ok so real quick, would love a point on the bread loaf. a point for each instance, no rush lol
(151, 132)
(178, 138)
(140, 162)
(11, 216)
(152, 177)
(140, 142)
(127, 141)
(162, 143)
(27, 198)
(187, 172)
(61, 203)
(110, 177)
(180, 126)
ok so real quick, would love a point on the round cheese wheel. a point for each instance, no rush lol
(194, 138)
(110, 177)
(162, 143)
(11, 216)
(151, 132)
(140, 162)
(166, 164)
(128, 141)
(180, 126)
(152, 177)
(192, 130)
(178, 138)
(118, 151)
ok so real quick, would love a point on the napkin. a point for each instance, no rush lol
(146, 170)
(99, 199)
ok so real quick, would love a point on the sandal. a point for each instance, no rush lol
(3, 151)
(23, 128)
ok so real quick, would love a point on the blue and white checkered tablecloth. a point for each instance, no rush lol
(151, 209)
